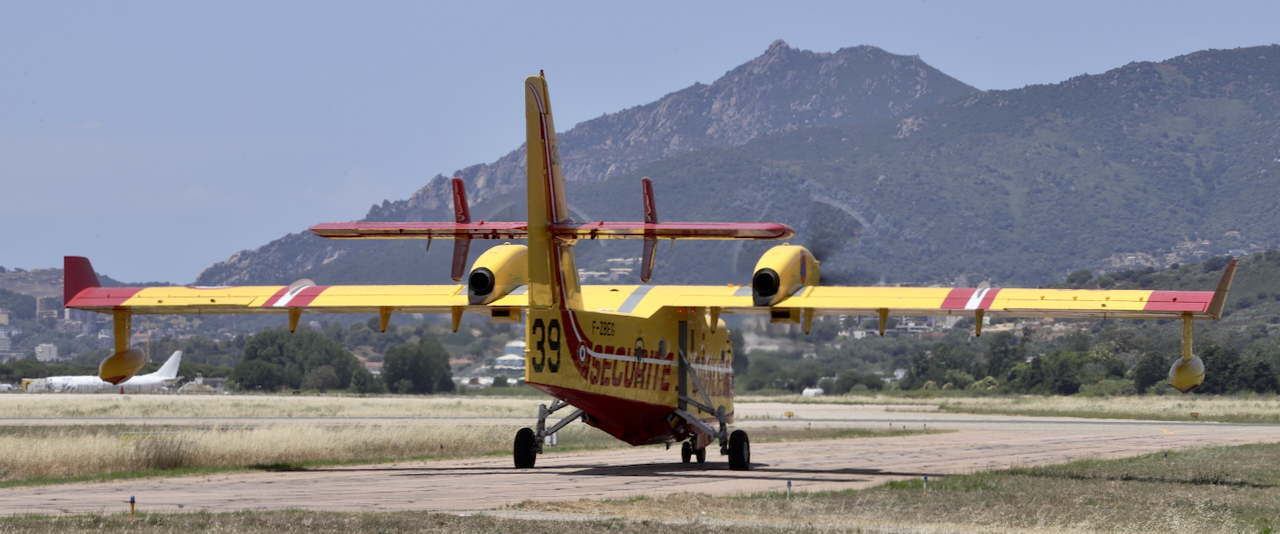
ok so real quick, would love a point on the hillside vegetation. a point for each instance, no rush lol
(1015, 187)
(783, 89)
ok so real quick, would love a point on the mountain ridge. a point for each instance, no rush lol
(1013, 186)
(784, 88)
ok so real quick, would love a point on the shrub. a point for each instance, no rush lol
(421, 367)
(322, 378)
(1108, 388)
(362, 381)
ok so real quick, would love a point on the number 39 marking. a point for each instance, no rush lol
(548, 339)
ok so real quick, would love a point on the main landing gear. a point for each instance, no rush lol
(735, 446)
(738, 450)
(528, 444)
(688, 452)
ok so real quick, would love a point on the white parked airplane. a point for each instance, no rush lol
(157, 381)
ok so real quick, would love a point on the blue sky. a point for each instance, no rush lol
(158, 138)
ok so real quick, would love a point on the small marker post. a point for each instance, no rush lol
(1166, 457)
(132, 502)
(788, 490)
(926, 484)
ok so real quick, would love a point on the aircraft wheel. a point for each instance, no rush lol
(686, 452)
(524, 449)
(739, 451)
(702, 455)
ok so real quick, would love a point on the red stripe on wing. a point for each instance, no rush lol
(304, 297)
(988, 298)
(103, 296)
(958, 298)
(276, 297)
(1192, 301)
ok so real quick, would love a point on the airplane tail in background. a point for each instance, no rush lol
(170, 367)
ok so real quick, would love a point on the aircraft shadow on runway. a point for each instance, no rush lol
(709, 470)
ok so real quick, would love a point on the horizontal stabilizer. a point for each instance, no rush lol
(520, 230)
(422, 230)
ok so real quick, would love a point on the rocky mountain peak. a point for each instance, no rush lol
(782, 89)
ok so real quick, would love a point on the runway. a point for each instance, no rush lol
(978, 443)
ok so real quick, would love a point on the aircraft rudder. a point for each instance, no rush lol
(78, 276)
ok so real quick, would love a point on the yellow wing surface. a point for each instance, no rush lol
(647, 300)
(271, 299)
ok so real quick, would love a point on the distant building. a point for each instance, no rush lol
(88, 321)
(47, 352)
(4, 315)
(6, 344)
(511, 363)
(47, 307)
(70, 327)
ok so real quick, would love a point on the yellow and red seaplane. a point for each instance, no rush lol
(647, 364)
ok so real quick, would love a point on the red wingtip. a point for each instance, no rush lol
(78, 276)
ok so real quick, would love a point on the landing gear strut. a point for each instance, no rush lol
(528, 444)
(735, 446)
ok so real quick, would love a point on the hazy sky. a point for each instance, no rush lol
(158, 138)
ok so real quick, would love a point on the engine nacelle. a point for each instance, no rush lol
(497, 272)
(780, 272)
(121, 366)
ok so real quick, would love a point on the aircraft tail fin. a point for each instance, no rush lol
(553, 275)
(170, 367)
(1224, 286)
(78, 276)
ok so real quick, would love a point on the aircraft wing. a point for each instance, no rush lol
(270, 299)
(912, 301)
(815, 301)
(1005, 302)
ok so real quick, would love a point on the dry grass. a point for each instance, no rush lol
(64, 454)
(51, 453)
(330, 522)
(1239, 409)
(1244, 409)
(72, 405)
(1217, 489)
